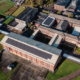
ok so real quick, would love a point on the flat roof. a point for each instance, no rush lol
(40, 21)
(34, 48)
(62, 2)
(76, 31)
(62, 25)
(16, 25)
(75, 21)
(60, 33)
(25, 15)
(48, 21)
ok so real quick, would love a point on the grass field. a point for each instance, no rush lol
(5, 5)
(1, 36)
(8, 20)
(18, 11)
(77, 51)
(78, 78)
(3, 76)
(66, 68)
(10, 11)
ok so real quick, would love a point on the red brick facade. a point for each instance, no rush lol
(33, 60)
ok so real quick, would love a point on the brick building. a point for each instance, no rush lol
(61, 4)
(36, 52)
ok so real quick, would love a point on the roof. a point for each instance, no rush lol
(75, 21)
(34, 48)
(17, 25)
(62, 25)
(42, 18)
(40, 21)
(13, 23)
(76, 31)
(73, 4)
(27, 13)
(48, 21)
(60, 32)
(62, 2)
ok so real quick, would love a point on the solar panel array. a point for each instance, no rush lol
(48, 21)
(29, 49)
(27, 13)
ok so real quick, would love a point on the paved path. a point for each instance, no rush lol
(71, 76)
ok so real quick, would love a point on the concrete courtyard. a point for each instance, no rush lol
(24, 71)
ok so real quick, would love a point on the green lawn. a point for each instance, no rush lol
(3, 76)
(5, 5)
(78, 78)
(18, 11)
(66, 68)
(10, 11)
(8, 20)
(1, 36)
(77, 51)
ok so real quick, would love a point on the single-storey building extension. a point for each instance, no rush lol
(36, 52)
(17, 25)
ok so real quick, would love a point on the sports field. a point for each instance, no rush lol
(10, 11)
(5, 5)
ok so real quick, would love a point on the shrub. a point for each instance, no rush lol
(70, 15)
(29, 24)
(59, 12)
(45, 11)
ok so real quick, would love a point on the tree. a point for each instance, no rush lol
(40, 2)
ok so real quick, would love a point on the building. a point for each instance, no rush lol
(69, 38)
(17, 25)
(42, 16)
(48, 22)
(72, 22)
(76, 31)
(36, 52)
(72, 6)
(61, 4)
(62, 25)
(27, 15)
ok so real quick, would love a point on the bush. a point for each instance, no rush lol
(45, 11)
(59, 12)
(70, 15)
(29, 24)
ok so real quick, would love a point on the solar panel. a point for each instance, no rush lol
(44, 16)
(48, 21)
(40, 21)
(29, 49)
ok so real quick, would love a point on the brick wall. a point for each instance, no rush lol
(34, 60)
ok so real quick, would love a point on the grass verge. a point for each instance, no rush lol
(66, 68)
(3, 76)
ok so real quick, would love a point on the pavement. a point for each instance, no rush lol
(24, 71)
